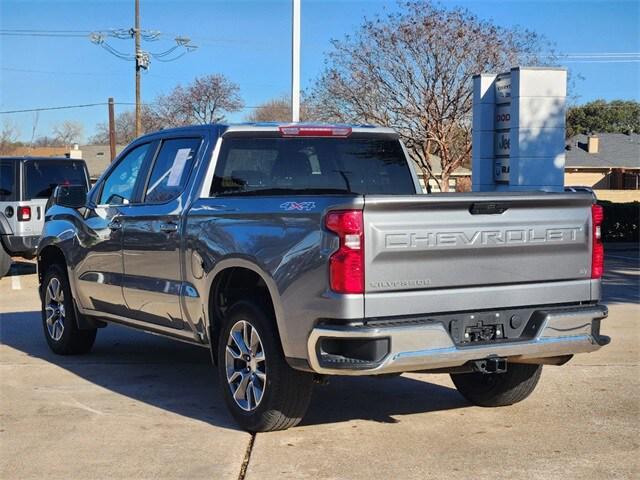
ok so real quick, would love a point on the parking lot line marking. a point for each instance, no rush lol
(15, 283)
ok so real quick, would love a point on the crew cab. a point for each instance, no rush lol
(26, 183)
(294, 252)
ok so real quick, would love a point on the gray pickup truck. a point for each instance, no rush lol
(297, 251)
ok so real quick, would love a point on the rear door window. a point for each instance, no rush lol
(274, 166)
(171, 169)
(8, 187)
(42, 176)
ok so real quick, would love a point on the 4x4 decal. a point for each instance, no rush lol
(299, 206)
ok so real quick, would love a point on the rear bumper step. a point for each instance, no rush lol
(430, 347)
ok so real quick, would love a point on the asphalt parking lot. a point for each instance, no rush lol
(140, 406)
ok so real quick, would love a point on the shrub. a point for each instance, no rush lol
(620, 221)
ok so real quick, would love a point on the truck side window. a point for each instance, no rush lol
(118, 186)
(171, 169)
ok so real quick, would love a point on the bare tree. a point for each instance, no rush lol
(207, 100)
(125, 125)
(68, 132)
(125, 129)
(46, 141)
(8, 137)
(277, 110)
(412, 70)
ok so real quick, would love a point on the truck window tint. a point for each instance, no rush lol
(307, 165)
(7, 181)
(171, 169)
(41, 177)
(118, 187)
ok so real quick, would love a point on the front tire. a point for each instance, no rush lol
(498, 389)
(262, 392)
(59, 316)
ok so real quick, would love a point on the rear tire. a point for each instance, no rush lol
(498, 389)
(262, 392)
(5, 261)
(59, 316)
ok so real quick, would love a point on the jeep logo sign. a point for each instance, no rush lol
(502, 144)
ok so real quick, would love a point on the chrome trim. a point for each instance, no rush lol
(211, 168)
(426, 347)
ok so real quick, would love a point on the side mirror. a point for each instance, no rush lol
(71, 196)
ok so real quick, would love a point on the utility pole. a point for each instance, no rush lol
(138, 59)
(112, 130)
(295, 63)
(142, 58)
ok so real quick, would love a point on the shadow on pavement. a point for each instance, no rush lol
(621, 282)
(178, 377)
(174, 376)
(21, 267)
(378, 399)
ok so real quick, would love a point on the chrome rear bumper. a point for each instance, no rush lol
(429, 346)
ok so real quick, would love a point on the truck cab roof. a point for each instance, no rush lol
(220, 129)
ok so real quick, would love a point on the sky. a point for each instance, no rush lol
(250, 42)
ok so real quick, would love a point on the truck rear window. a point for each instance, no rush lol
(8, 188)
(273, 166)
(41, 177)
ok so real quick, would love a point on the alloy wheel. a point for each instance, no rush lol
(54, 309)
(246, 365)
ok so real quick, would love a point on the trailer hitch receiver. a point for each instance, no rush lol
(490, 365)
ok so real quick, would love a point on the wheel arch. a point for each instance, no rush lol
(49, 255)
(249, 281)
(52, 254)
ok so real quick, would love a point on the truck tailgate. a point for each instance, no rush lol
(441, 241)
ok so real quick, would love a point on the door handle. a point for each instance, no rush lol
(169, 227)
(115, 225)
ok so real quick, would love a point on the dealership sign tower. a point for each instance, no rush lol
(519, 130)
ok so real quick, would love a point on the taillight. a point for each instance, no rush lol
(314, 131)
(597, 258)
(346, 265)
(24, 214)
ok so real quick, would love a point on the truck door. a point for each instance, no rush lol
(99, 273)
(152, 279)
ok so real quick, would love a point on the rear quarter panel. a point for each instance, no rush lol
(282, 239)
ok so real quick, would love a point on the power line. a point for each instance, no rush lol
(64, 107)
(598, 57)
(601, 54)
(57, 35)
(27, 30)
(635, 60)
(86, 105)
